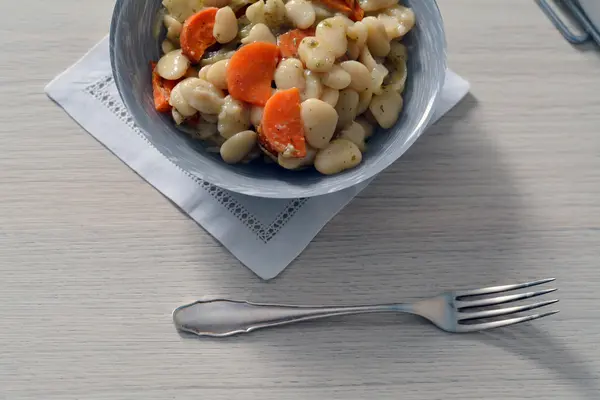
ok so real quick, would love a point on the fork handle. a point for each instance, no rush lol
(222, 317)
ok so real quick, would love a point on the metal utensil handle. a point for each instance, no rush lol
(221, 317)
(560, 24)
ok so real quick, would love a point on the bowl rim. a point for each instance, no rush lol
(298, 191)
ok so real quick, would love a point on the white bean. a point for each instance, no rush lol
(233, 118)
(378, 75)
(173, 65)
(337, 78)
(346, 107)
(367, 126)
(173, 28)
(356, 134)
(301, 13)
(386, 108)
(256, 12)
(203, 73)
(259, 33)
(167, 46)
(217, 74)
(177, 101)
(237, 147)
(316, 55)
(339, 155)
(274, 13)
(210, 118)
(322, 12)
(202, 95)
(225, 28)
(358, 33)
(374, 5)
(289, 74)
(256, 114)
(332, 31)
(313, 88)
(177, 117)
(296, 163)
(404, 15)
(364, 99)
(378, 42)
(360, 75)
(182, 9)
(366, 58)
(353, 51)
(330, 96)
(320, 120)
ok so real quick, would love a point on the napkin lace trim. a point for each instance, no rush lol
(99, 90)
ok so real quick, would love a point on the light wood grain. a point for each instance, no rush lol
(504, 188)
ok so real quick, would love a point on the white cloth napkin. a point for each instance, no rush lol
(266, 235)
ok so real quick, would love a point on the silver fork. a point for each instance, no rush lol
(457, 311)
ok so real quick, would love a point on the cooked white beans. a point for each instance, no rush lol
(320, 120)
(225, 28)
(313, 88)
(377, 40)
(203, 73)
(374, 5)
(359, 74)
(330, 96)
(350, 76)
(289, 74)
(173, 65)
(256, 114)
(238, 146)
(332, 31)
(217, 74)
(259, 33)
(316, 55)
(167, 46)
(173, 28)
(274, 13)
(177, 117)
(338, 156)
(356, 134)
(233, 118)
(337, 78)
(202, 95)
(301, 13)
(296, 163)
(346, 107)
(364, 99)
(176, 100)
(386, 108)
(367, 126)
(256, 12)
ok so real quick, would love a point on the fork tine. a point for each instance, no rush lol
(500, 299)
(504, 311)
(505, 322)
(503, 288)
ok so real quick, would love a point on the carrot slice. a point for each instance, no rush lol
(357, 13)
(250, 72)
(289, 41)
(197, 34)
(337, 5)
(161, 90)
(281, 128)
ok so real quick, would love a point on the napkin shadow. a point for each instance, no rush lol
(546, 351)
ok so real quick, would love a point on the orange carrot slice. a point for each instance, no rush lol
(250, 72)
(289, 41)
(357, 13)
(337, 5)
(281, 128)
(161, 90)
(197, 34)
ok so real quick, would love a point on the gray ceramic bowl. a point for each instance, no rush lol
(132, 47)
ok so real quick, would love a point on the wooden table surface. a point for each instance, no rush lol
(505, 188)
